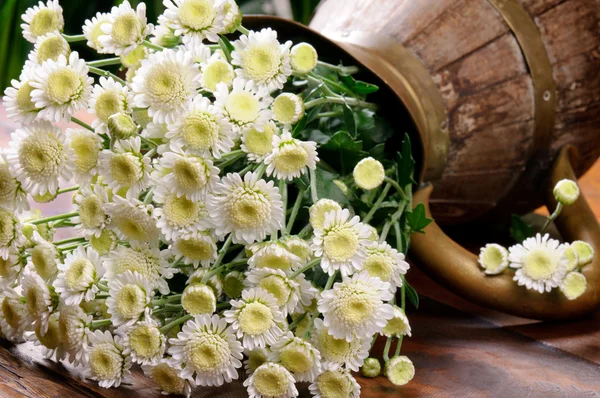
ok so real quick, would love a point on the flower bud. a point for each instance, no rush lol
(198, 299)
(585, 252)
(371, 367)
(169, 40)
(493, 258)
(573, 259)
(399, 370)
(573, 285)
(233, 16)
(288, 108)
(368, 173)
(566, 192)
(233, 284)
(303, 58)
(121, 126)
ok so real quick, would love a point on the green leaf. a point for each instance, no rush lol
(519, 229)
(349, 120)
(226, 46)
(299, 127)
(342, 152)
(417, 220)
(327, 189)
(406, 164)
(378, 152)
(317, 136)
(358, 86)
(411, 294)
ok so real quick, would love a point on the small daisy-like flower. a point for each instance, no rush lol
(121, 126)
(44, 257)
(254, 318)
(351, 354)
(585, 252)
(92, 30)
(303, 58)
(11, 234)
(288, 108)
(202, 130)
(166, 377)
(108, 98)
(298, 356)
(105, 242)
(165, 84)
(386, 263)
(273, 255)
(41, 302)
(208, 350)
(262, 60)
(398, 325)
(318, 210)
(356, 308)
(249, 209)
(12, 194)
(130, 295)
(368, 173)
(49, 46)
(198, 248)
(179, 216)
(195, 20)
(42, 19)
(39, 157)
(297, 246)
(258, 144)
(216, 70)
(61, 87)
(89, 204)
(242, 106)
(49, 341)
(198, 299)
(341, 242)
(144, 342)
(14, 318)
(17, 99)
(10, 269)
(573, 285)
(74, 333)
(566, 192)
(271, 380)
(493, 258)
(125, 30)
(290, 157)
(86, 147)
(125, 169)
(107, 361)
(335, 381)
(79, 275)
(233, 16)
(540, 263)
(399, 370)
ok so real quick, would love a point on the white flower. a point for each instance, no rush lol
(288, 108)
(12, 194)
(356, 308)
(11, 269)
(14, 318)
(216, 70)
(74, 333)
(89, 204)
(271, 380)
(50, 341)
(42, 19)
(107, 362)
(11, 234)
(39, 157)
(318, 210)
(350, 354)
(398, 325)
(202, 130)
(208, 351)
(585, 252)
(335, 381)
(40, 301)
(493, 258)
(386, 263)
(195, 20)
(254, 318)
(144, 342)
(540, 261)
(92, 30)
(49, 46)
(243, 106)
(303, 58)
(130, 295)
(86, 147)
(79, 275)
(290, 157)
(165, 83)
(125, 169)
(17, 99)
(61, 87)
(166, 377)
(108, 98)
(341, 242)
(249, 208)
(179, 216)
(125, 30)
(297, 246)
(196, 249)
(368, 173)
(44, 257)
(274, 255)
(258, 144)
(298, 356)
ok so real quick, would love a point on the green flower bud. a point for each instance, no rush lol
(371, 367)
(566, 192)
(233, 284)
(121, 126)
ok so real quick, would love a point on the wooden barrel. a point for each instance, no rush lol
(505, 83)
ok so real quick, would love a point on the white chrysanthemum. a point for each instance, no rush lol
(242, 106)
(11, 234)
(208, 351)
(125, 30)
(17, 99)
(493, 258)
(89, 204)
(107, 362)
(39, 157)
(254, 318)
(202, 130)
(49, 341)
(165, 84)
(271, 380)
(40, 300)
(92, 30)
(398, 325)
(233, 16)
(14, 317)
(108, 98)
(42, 19)
(350, 354)
(249, 209)
(318, 210)
(86, 147)
(258, 144)
(130, 295)
(12, 194)
(49, 46)
(196, 249)
(262, 60)
(290, 157)
(74, 333)
(368, 173)
(335, 381)
(125, 169)
(61, 87)
(43, 257)
(166, 377)
(273, 255)
(297, 246)
(195, 20)
(303, 58)
(216, 70)
(79, 275)
(298, 356)
(386, 263)
(288, 108)
(399, 370)
(341, 242)
(356, 308)
(11, 269)
(540, 262)
(290, 294)
(143, 258)
(144, 342)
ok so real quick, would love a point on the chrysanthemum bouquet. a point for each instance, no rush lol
(222, 198)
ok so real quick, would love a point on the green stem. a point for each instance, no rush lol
(377, 204)
(177, 262)
(384, 231)
(97, 324)
(329, 114)
(224, 48)
(313, 186)
(151, 152)
(342, 70)
(223, 305)
(105, 73)
(341, 101)
(230, 160)
(74, 38)
(398, 346)
(295, 210)
(222, 252)
(105, 62)
(147, 141)
(54, 218)
(69, 240)
(386, 350)
(308, 266)
(297, 321)
(305, 231)
(242, 30)
(152, 46)
(70, 189)
(398, 237)
(82, 124)
(397, 186)
(70, 247)
(552, 217)
(172, 324)
(316, 311)
(284, 199)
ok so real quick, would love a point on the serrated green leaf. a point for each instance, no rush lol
(327, 189)
(358, 86)
(411, 294)
(342, 151)
(349, 120)
(417, 220)
(406, 164)
(519, 229)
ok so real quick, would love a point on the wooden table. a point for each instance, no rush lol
(458, 349)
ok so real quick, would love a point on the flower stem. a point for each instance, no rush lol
(152, 46)
(305, 231)
(398, 346)
(230, 160)
(99, 323)
(74, 38)
(377, 204)
(342, 70)
(82, 123)
(105, 62)
(295, 210)
(217, 263)
(54, 218)
(223, 305)
(105, 73)
(384, 231)
(341, 101)
(309, 265)
(172, 324)
(148, 142)
(70, 189)
(552, 217)
(284, 198)
(69, 240)
(316, 311)
(70, 247)
(242, 30)
(313, 186)
(386, 350)
(397, 186)
(297, 321)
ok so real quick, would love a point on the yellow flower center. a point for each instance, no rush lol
(261, 61)
(36, 304)
(23, 98)
(166, 85)
(107, 104)
(11, 314)
(585, 252)
(290, 158)
(96, 32)
(574, 285)
(242, 107)
(126, 169)
(44, 261)
(167, 379)
(369, 173)
(217, 71)
(354, 304)
(296, 359)
(333, 384)
(197, 14)
(255, 318)
(196, 249)
(492, 258)
(189, 174)
(270, 381)
(133, 261)
(571, 256)
(134, 57)
(5, 268)
(304, 58)
(198, 299)
(105, 362)
(278, 287)
(395, 326)
(51, 48)
(299, 248)
(40, 155)
(181, 211)
(145, 341)
(284, 108)
(79, 272)
(333, 349)
(103, 244)
(63, 85)
(340, 244)
(206, 352)
(379, 265)
(233, 286)
(260, 142)
(126, 29)
(51, 339)
(7, 228)
(91, 212)
(44, 21)
(539, 264)
(249, 211)
(399, 371)
(274, 261)
(200, 130)
(86, 152)
(130, 301)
